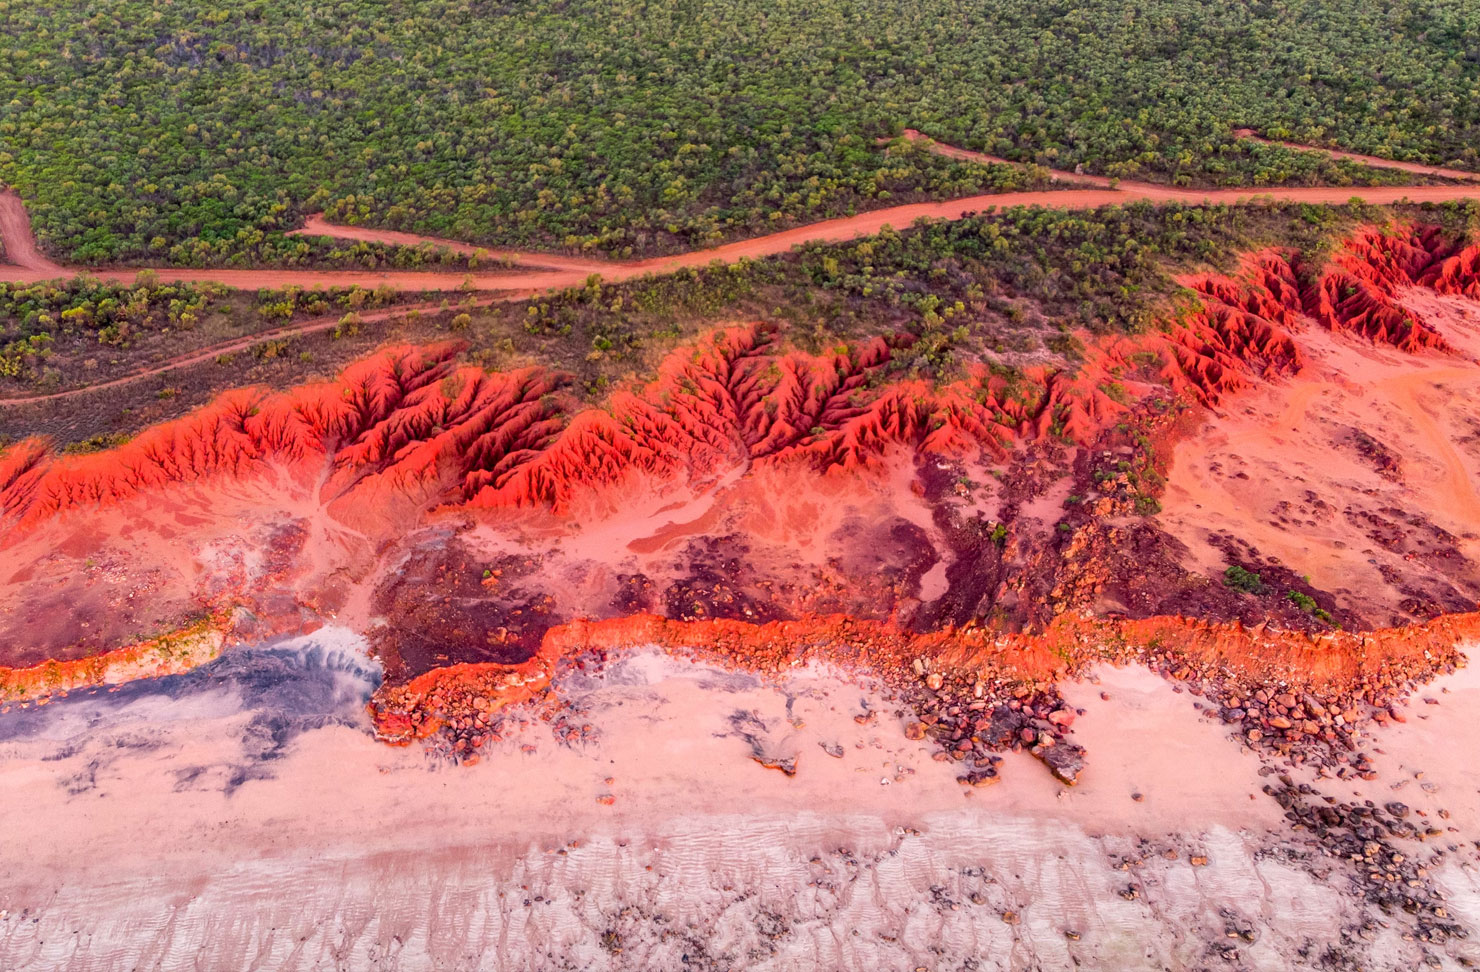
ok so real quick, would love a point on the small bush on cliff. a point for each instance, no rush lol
(1308, 604)
(1240, 579)
(1303, 601)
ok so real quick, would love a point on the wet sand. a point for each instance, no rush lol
(156, 827)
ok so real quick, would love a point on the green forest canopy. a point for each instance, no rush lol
(198, 132)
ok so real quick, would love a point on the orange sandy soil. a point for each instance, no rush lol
(19, 245)
(1361, 473)
(762, 505)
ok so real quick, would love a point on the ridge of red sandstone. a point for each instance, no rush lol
(410, 429)
(411, 418)
(170, 653)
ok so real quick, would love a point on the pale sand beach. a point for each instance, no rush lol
(241, 816)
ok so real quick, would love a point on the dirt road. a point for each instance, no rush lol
(316, 225)
(1418, 168)
(19, 245)
(523, 282)
(202, 355)
(542, 272)
(966, 155)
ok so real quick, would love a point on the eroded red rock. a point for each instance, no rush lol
(409, 431)
(409, 422)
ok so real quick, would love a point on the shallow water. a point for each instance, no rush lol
(271, 694)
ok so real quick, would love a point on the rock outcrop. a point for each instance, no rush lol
(410, 420)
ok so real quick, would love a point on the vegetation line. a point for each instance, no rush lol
(201, 355)
(556, 272)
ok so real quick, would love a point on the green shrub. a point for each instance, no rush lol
(1240, 579)
(1303, 601)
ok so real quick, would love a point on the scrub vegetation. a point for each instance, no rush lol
(197, 134)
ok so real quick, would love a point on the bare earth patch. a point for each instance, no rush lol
(1360, 472)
